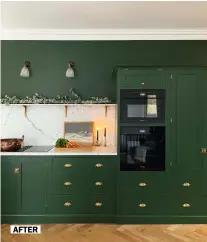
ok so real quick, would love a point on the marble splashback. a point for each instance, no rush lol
(44, 124)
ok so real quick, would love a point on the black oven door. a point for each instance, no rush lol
(142, 106)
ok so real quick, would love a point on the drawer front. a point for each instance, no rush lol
(82, 204)
(142, 182)
(142, 204)
(188, 204)
(144, 80)
(68, 165)
(185, 182)
(78, 183)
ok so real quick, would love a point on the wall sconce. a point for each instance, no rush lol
(25, 70)
(70, 72)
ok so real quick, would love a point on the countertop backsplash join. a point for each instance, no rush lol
(44, 124)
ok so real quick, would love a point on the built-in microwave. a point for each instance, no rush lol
(142, 106)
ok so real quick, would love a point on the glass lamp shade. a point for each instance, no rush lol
(70, 71)
(24, 72)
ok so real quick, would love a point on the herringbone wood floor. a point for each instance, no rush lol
(111, 233)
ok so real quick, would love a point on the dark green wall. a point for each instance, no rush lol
(94, 63)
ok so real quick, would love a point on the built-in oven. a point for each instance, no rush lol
(142, 106)
(142, 148)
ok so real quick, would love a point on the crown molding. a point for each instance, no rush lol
(104, 34)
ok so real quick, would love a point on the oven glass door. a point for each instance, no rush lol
(142, 148)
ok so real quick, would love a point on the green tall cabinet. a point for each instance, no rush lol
(179, 193)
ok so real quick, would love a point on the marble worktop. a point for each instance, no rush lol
(73, 151)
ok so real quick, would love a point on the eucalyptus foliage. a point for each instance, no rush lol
(39, 99)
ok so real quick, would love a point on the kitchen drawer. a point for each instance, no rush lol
(78, 183)
(69, 165)
(144, 80)
(82, 204)
(180, 204)
(104, 166)
(142, 204)
(154, 182)
(185, 182)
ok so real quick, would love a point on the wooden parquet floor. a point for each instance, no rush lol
(110, 233)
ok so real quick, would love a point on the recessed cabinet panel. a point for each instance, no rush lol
(143, 79)
(186, 127)
(10, 185)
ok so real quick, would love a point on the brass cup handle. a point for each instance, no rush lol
(16, 170)
(142, 184)
(67, 183)
(186, 184)
(67, 165)
(98, 204)
(142, 205)
(186, 205)
(98, 165)
(99, 183)
(67, 204)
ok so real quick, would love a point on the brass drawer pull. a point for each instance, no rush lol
(142, 184)
(67, 204)
(142, 205)
(186, 205)
(16, 170)
(99, 183)
(98, 165)
(67, 183)
(98, 204)
(203, 150)
(67, 165)
(186, 184)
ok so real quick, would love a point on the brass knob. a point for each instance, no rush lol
(67, 204)
(67, 183)
(99, 183)
(16, 170)
(142, 184)
(186, 184)
(142, 205)
(142, 83)
(67, 165)
(186, 205)
(98, 165)
(203, 150)
(98, 204)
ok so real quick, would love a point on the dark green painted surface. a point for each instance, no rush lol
(33, 180)
(10, 185)
(94, 63)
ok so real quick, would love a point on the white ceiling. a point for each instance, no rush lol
(104, 15)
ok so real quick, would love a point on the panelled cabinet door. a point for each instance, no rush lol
(186, 126)
(34, 172)
(10, 185)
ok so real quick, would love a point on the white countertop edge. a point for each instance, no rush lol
(54, 153)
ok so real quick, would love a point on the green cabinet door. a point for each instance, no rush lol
(34, 172)
(10, 185)
(186, 126)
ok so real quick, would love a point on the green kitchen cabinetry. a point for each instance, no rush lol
(10, 185)
(179, 192)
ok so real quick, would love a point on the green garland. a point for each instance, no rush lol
(39, 99)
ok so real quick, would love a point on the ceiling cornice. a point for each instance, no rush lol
(104, 34)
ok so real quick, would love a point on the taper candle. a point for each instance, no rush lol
(97, 134)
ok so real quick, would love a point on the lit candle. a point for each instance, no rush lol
(104, 131)
(97, 134)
